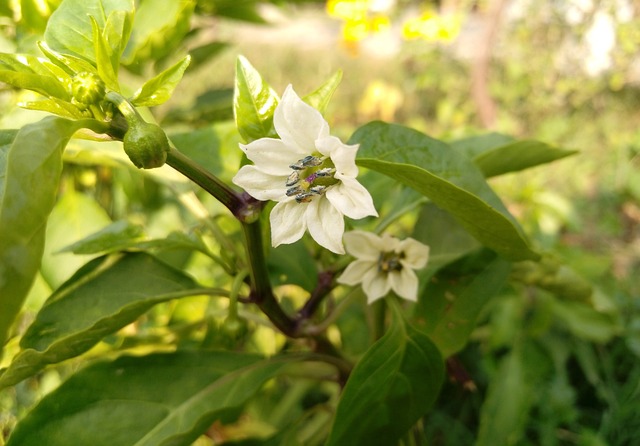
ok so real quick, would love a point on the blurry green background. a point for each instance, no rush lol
(566, 72)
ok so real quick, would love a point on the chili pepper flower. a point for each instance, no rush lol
(311, 174)
(383, 264)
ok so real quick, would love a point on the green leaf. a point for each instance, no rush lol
(107, 71)
(28, 192)
(254, 103)
(447, 239)
(158, 29)
(116, 32)
(449, 307)
(391, 387)
(506, 408)
(55, 106)
(585, 322)
(114, 237)
(70, 64)
(160, 88)
(449, 179)
(158, 399)
(75, 215)
(102, 297)
(26, 63)
(45, 85)
(69, 29)
(292, 264)
(320, 98)
(476, 145)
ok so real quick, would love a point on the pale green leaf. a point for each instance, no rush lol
(254, 103)
(320, 98)
(107, 71)
(160, 88)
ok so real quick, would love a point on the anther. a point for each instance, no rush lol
(292, 179)
(304, 197)
(327, 171)
(318, 190)
(293, 191)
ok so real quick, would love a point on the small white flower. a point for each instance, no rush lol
(383, 264)
(311, 174)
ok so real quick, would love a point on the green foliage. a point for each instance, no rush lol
(147, 308)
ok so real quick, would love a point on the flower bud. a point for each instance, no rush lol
(87, 89)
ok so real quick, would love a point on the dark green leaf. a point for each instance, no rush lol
(29, 188)
(586, 322)
(391, 387)
(320, 98)
(102, 297)
(476, 145)
(447, 240)
(449, 308)
(293, 264)
(69, 30)
(254, 103)
(449, 179)
(203, 54)
(153, 400)
(160, 88)
(509, 399)
(497, 154)
(518, 155)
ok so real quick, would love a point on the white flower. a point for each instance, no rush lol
(311, 174)
(383, 264)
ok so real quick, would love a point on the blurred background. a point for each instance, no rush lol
(566, 72)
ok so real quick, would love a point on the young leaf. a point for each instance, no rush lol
(449, 179)
(55, 106)
(117, 31)
(69, 29)
(391, 387)
(158, 29)
(45, 85)
(70, 64)
(107, 71)
(27, 195)
(160, 88)
(158, 399)
(497, 154)
(320, 98)
(114, 237)
(450, 308)
(254, 103)
(102, 297)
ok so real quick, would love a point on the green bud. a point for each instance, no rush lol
(146, 145)
(87, 89)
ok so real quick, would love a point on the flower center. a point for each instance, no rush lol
(390, 261)
(310, 176)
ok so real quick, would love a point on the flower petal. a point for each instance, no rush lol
(272, 155)
(351, 199)
(326, 224)
(287, 222)
(363, 245)
(355, 272)
(259, 184)
(342, 155)
(376, 286)
(405, 283)
(416, 253)
(297, 123)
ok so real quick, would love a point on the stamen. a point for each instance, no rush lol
(318, 190)
(389, 261)
(304, 197)
(327, 171)
(292, 179)
(293, 191)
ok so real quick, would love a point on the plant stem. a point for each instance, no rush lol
(261, 291)
(203, 178)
